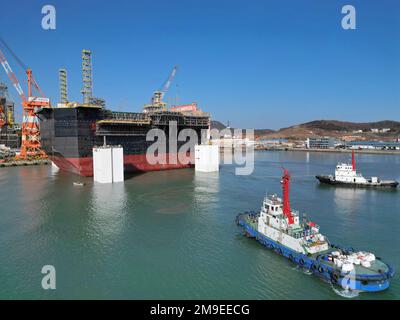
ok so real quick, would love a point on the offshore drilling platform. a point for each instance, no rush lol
(67, 132)
(70, 130)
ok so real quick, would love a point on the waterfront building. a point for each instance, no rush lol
(373, 145)
(320, 143)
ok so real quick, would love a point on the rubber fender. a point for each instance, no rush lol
(335, 276)
(314, 266)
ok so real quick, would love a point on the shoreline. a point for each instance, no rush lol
(378, 152)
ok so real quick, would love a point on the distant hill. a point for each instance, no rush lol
(335, 125)
(217, 125)
(338, 129)
(333, 128)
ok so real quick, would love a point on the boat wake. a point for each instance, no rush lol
(300, 269)
(307, 272)
(345, 293)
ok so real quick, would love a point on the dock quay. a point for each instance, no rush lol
(25, 163)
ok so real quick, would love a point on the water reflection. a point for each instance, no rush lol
(108, 210)
(32, 187)
(206, 188)
(164, 192)
(349, 199)
(54, 170)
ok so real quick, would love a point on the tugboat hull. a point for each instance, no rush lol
(383, 184)
(357, 282)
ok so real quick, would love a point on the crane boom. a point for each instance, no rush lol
(167, 83)
(11, 76)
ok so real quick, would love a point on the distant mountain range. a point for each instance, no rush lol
(333, 128)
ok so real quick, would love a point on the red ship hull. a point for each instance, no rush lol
(132, 163)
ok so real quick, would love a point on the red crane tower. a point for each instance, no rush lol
(30, 146)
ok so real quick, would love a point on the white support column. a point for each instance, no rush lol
(108, 164)
(206, 158)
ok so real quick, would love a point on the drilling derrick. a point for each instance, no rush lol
(87, 90)
(62, 77)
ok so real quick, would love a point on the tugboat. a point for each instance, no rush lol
(346, 175)
(282, 230)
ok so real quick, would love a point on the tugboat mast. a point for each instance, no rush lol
(285, 191)
(353, 160)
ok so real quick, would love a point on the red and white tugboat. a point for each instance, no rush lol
(347, 175)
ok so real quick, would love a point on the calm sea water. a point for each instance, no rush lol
(172, 235)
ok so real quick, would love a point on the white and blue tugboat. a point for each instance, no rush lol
(281, 229)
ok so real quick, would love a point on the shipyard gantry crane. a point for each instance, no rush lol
(30, 146)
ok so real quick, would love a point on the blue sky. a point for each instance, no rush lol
(262, 64)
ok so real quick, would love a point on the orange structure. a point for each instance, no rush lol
(30, 146)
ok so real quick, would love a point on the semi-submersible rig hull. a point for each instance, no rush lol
(68, 135)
